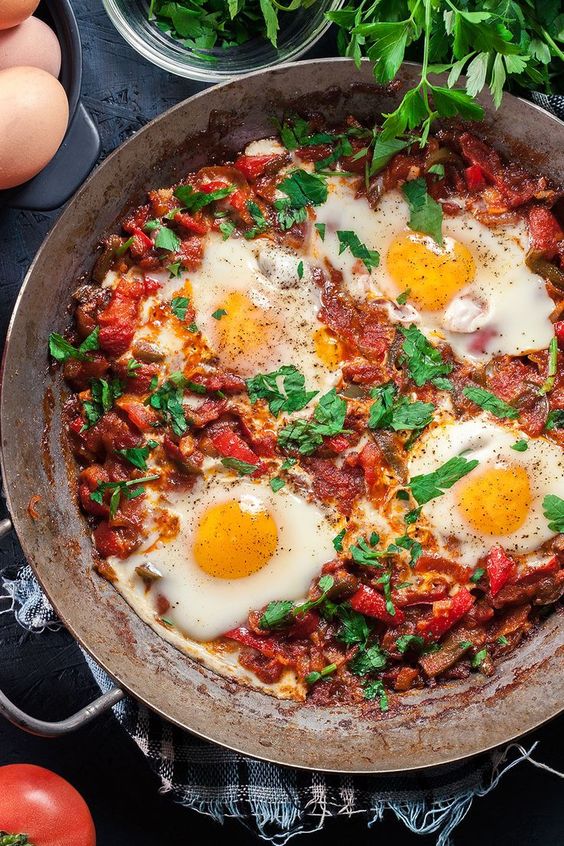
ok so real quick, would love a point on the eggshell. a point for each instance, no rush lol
(13, 12)
(33, 44)
(34, 114)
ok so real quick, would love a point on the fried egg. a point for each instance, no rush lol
(256, 307)
(500, 500)
(474, 291)
(236, 546)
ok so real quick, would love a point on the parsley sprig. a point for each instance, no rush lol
(130, 490)
(424, 361)
(306, 436)
(283, 612)
(428, 486)
(62, 350)
(398, 413)
(284, 390)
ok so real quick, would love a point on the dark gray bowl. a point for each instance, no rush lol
(81, 145)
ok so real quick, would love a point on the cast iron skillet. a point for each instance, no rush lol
(433, 726)
(79, 150)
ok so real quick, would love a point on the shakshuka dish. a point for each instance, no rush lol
(317, 404)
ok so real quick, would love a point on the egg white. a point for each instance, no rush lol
(490, 444)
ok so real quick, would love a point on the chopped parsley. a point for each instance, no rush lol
(321, 230)
(300, 269)
(354, 626)
(129, 489)
(219, 313)
(424, 361)
(168, 401)
(553, 510)
(338, 540)
(227, 228)
(368, 660)
(166, 239)
(132, 366)
(479, 658)
(555, 420)
(426, 215)
(397, 413)
(402, 298)
(103, 395)
(302, 189)
(489, 402)
(281, 613)
(306, 436)
(175, 268)
(261, 223)
(284, 390)
(410, 545)
(502, 640)
(438, 169)
(520, 446)
(311, 678)
(363, 552)
(193, 200)
(193, 328)
(386, 582)
(428, 486)
(375, 689)
(138, 455)
(477, 575)
(409, 641)
(277, 483)
(61, 350)
(384, 150)
(349, 240)
(179, 307)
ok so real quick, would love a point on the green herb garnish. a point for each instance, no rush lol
(349, 240)
(283, 389)
(61, 350)
(428, 486)
(489, 402)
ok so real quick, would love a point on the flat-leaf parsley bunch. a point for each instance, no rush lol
(496, 43)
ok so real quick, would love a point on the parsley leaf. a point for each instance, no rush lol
(138, 455)
(354, 626)
(384, 150)
(227, 228)
(282, 612)
(103, 394)
(424, 361)
(363, 552)
(552, 368)
(219, 313)
(555, 420)
(375, 689)
(179, 307)
(166, 239)
(520, 446)
(284, 389)
(489, 402)
(338, 540)
(553, 510)
(428, 486)
(426, 215)
(168, 400)
(409, 641)
(305, 435)
(130, 489)
(277, 483)
(311, 678)
(349, 240)
(399, 414)
(304, 189)
(368, 660)
(61, 350)
(321, 230)
(193, 200)
(261, 223)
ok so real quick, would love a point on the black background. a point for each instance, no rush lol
(46, 674)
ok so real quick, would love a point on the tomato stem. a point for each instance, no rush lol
(14, 839)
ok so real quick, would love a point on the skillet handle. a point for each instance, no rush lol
(43, 728)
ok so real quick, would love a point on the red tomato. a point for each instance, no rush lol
(36, 802)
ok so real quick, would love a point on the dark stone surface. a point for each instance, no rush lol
(46, 673)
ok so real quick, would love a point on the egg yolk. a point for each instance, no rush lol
(328, 348)
(496, 502)
(244, 329)
(432, 274)
(233, 542)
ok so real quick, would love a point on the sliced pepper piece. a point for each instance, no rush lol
(446, 613)
(253, 166)
(499, 567)
(371, 603)
(230, 445)
(475, 178)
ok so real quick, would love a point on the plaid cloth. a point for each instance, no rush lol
(279, 802)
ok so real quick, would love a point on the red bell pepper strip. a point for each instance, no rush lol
(499, 567)
(266, 645)
(253, 166)
(545, 231)
(230, 445)
(144, 239)
(371, 603)
(537, 571)
(445, 614)
(559, 332)
(190, 223)
(214, 185)
(475, 178)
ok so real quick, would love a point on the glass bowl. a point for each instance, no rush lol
(298, 32)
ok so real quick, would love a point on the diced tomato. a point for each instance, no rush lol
(142, 417)
(370, 602)
(144, 243)
(230, 445)
(214, 185)
(304, 626)
(253, 166)
(475, 178)
(192, 224)
(559, 332)
(545, 231)
(266, 645)
(151, 285)
(191, 252)
(370, 459)
(76, 425)
(116, 338)
(172, 449)
(338, 443)
(88, 481)
(499, 567)
(238, 201)
(446, 613)
(107, 541)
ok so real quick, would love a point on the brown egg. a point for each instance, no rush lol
(34, 114)
(13, 12)
(32, 43)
